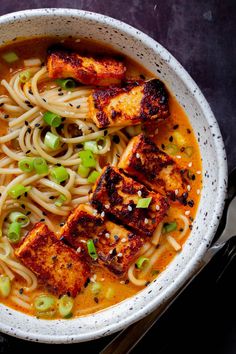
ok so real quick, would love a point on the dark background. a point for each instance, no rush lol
(201, 35)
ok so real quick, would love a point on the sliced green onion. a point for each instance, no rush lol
(87, 157)
(65, 305)
(83, 171)
(92, 146)
(144, 202)
(52, 119)
(140, 262)
(17, 190)
(93, 176)
(51, 141)
(59, 174)
(44, 303)
(91, 249)
(179, 138)
(40, 165)
(20, 218)
(5, 286)
(172, 149)
(13, 233)
(60, 200)
(26, 164)
(24, 76)
(10, 57)
(110, 293)
(170, 226)
(96, 288)
(66, 84)
(188, 150)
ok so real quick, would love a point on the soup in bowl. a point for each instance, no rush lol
(109, 165)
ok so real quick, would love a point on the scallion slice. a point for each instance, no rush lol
(52, 119)
(40, 165)
(140, 262)
(60, 200)
(96, 288)
(66, 84)
(172, 149)
(20, 218)
(110, 293)
(65, 305)
(144, 202)
(13, 233)
(24, 76)
(170, 226)
(59, 174)
(87, 157)
(188, 150)
(92, 146)
(5, 286)
(44, 303)
(52, 141)
(10, 57)
(83, 171)
(91, 249)
(26, 164)
(93, 177)
(17, 190)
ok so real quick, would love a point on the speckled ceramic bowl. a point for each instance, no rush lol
(137, 45)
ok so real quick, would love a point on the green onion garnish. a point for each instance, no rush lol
(52, 119)
(59, 174)
(51, 141)
(66, 84)
(109, 293)
(140, 262)
(91, 145)
(172, 149)
(17, 190)
(60, 200)
(96, 288)
(40, 165)
(83, 171)
(188, 150)
(13, 233)
(91, 249)
(24, 76)
(5, 286)
(43, 303)
(93, 177)
(144, 202)
(10, 57)
(65, 305)
(169, 226)
(87, 157)
(26, 164)
(20, 218)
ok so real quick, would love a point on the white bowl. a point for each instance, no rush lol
(146, 51)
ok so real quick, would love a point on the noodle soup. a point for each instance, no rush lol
(27, 93)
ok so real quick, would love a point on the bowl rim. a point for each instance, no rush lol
(220, 156)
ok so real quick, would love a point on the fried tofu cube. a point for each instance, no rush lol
(62, 63)
(137, 102)
(118, 195)
(153, 167)
(56, 265)
(116, 247)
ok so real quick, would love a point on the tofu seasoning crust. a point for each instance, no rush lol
(154, 168)
(134, 103)
(118, 195)
(116, 247)
(57, 265)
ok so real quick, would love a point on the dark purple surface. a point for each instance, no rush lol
(201, 35)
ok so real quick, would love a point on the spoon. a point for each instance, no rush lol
(129, 337)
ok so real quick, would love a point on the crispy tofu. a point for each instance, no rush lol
(137, 102)
(118, 196)
(88, 70)
(116, 247)
(56, 265)
(153, 167)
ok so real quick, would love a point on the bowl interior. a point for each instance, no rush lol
(65, 22)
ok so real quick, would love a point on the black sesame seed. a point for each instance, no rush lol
(28, 151)
(58, 164)
(171, 138)
(70, 104)
(147, 283)
(60, 89)
(163, 146)
(1, 104)
(21, 290)
(176, 126)
(116, 237)
(63, 119)
(29, 130)
(30, 105)
(188, 131)
(28, 213)
(78, 106)
(181, 230)
(193, 177)
(26, 123)
(27, 102)
(105, 132)
(23, 206)
(6, 116)
(142, 76)
(62, 224)
(69, 265)
(86, 283)
(30, 92)
(96, 300)
(60, 94)
(44, 213)
(54, 258)
(191, 203)
(127, 281)
(37, 125)
(44, 100)
(42, 220)
(52, 197)
(116, 139)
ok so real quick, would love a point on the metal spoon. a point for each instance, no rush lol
(129, 337)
